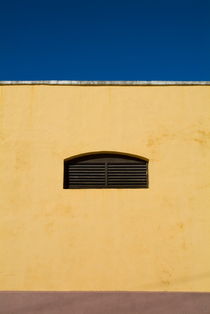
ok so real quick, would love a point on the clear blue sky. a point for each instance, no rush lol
(105, 40)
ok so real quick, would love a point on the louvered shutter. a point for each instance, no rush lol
(105, 171)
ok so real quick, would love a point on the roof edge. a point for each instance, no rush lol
(106, 83)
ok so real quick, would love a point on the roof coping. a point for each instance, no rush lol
(107, 83)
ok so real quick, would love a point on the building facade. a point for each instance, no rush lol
(117, 249)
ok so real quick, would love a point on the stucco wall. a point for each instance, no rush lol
(132, 239)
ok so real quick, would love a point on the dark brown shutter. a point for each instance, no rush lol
(86, 175)
(105, 171)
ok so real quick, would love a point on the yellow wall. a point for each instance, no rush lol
(126, 239)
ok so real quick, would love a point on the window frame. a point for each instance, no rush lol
(109, 160)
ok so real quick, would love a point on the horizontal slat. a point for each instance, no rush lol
(130, 175)
(86, 165)
(83, 181)
(86, 176)
(125, 165)
(127, 186)
(86, 173)
(86, 169)
(86, 184)
(129, 168)
(126, 180)
(127, 173)
(128, 183)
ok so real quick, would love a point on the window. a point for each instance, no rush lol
(107, 170)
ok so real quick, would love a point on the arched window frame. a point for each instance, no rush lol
(105, 170)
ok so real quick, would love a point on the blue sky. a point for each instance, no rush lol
(105, 40)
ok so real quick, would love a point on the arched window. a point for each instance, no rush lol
(105, 170)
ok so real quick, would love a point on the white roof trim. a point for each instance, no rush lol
(101, 83)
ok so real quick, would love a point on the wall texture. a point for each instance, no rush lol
(154, 239)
